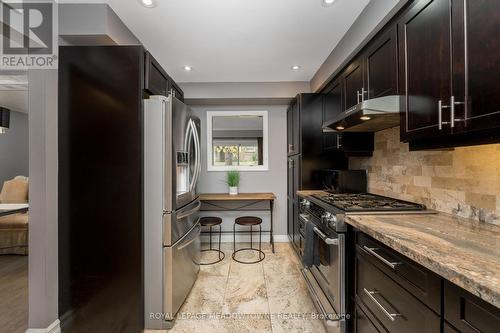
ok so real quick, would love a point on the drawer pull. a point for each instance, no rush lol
(391, 316)
(371, 250)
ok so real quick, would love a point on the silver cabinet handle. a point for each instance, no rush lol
(391, 316)
(358, 94)
(440, 114)
(452, 113)
(329, 241)
(371, 250)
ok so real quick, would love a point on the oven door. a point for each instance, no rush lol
(326, 278)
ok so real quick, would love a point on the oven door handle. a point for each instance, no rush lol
(329, 241)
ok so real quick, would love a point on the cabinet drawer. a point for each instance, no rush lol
(467, 312)
(362, 322)
(395, 308)
(416, 279)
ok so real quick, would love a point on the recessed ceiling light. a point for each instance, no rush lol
(327, 3)
(296, 67)
(365, 118)
(340, 128)
(188, 68)
(148, 3)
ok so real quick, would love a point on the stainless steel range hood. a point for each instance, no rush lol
(371, 115)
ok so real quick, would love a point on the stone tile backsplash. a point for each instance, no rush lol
(464, 181)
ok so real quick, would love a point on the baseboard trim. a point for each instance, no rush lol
(228, 238)
(55, 327)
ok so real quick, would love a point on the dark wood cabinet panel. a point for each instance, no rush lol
(395, 308)
(381, 65)
(351, 143)
(293, 128)
(353, 77)
(476, 56)
(362, 324)
(467, 312)
(425, 65)
(155, 80)
(416, 279)
(332, 106)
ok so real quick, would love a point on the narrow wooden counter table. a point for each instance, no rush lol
(213, 202)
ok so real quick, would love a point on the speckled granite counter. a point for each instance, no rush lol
(465, 252)
(306, 193)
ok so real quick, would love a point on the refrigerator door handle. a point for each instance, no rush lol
(187, 242)
(189, 212)
(197, 147)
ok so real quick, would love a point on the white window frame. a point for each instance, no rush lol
(265, 141)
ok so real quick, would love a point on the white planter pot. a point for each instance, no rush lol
(233, 190)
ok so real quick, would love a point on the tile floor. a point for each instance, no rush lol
(270, 296)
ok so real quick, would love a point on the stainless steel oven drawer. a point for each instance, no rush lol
(181, 267)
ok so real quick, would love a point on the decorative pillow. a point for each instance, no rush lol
(14, 191)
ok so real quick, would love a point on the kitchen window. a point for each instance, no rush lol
(237, 140)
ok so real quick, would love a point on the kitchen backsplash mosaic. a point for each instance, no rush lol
(464, 181)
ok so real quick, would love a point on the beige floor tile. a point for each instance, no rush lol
(195, 325)
(297, 325)
(206, 297)
(246, 295)
(220, 269)
(245, 326)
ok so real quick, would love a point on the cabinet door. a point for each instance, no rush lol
(155, 81)
(332, 107)
(290, 218)
(362, 323)
(293, 128)
(172, 86)
(425, 53)
(381, 65)
(476, 50)
(354, 91)
(289, 129)
(467, 312)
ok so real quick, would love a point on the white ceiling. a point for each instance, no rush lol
(239, 40)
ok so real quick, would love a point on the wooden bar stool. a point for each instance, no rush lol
(210, 221)
(248, 221)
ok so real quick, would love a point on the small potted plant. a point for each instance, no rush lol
(233, 180)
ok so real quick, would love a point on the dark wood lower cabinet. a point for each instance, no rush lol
(468, 313)
(404, 299)
(394, 307)
(363, 324)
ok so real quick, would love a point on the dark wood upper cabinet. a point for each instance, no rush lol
(353, 80)
(476, 64)
(425, 67)
(293, 128)
(381, 64)
(157, 81)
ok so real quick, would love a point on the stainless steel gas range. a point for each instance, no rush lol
(326, 275)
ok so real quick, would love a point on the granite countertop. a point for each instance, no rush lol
(465, 252)
(308, 193)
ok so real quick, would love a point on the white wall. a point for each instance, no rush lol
(14, 148)
(274, 180)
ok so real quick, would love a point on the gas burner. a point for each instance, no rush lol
(366, 202)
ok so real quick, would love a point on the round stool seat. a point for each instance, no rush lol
(248, 220)
(210, 221)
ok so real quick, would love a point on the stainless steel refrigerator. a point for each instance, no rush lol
(172, 167)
